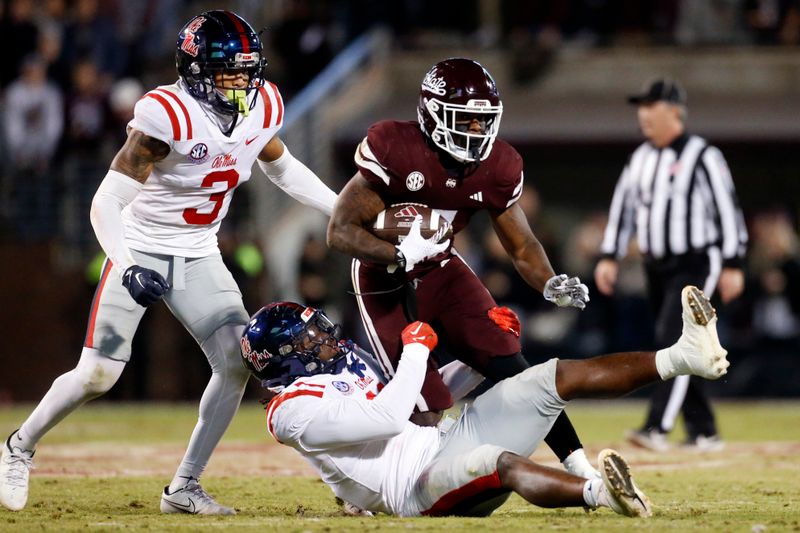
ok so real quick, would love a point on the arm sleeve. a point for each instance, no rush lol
(731, 220)
(299, 182)
(461, 379)
(347, 421)
(620, 218)
(115, 192)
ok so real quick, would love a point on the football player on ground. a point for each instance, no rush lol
(156, 215)
(333, 407)
(450, 160)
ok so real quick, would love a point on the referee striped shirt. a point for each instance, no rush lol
(678, 199)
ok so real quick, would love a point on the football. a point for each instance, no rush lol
(393, 223)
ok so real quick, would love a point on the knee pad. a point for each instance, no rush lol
(96, 372)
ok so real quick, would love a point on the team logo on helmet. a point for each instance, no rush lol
(198, 154)
(415, 181)
(188, 45)
(433, 83)
(258, 359)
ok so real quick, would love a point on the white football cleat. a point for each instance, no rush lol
(192, 499)
(698, 351)
(620, 492)
(15, 469)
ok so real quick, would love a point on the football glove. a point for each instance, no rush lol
(416, 249)
(420, 332)
(506, 319)
(145, 286)
(566, 292)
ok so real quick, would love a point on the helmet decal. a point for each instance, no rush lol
(189, 45)
(434, 83)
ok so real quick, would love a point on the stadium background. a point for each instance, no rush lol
(563, 69)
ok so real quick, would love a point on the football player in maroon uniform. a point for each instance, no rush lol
(450, 160)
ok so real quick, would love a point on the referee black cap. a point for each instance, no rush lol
(662, 89)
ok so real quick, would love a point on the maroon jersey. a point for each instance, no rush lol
(402, 167)
(397, 160)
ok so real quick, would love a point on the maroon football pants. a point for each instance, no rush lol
(453, 300)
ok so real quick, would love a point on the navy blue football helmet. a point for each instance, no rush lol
(282, 342)
(217, 41)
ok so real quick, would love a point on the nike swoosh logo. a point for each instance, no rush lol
(139, 279)
(248, 141)
(188, 508)
(416, 330)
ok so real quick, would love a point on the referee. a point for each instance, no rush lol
(677, 195)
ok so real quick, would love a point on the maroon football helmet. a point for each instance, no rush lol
(455, 92)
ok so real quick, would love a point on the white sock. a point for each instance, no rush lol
(668, 363)
(577, 464)
(591, 492)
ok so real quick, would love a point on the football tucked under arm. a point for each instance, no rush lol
(393, 223)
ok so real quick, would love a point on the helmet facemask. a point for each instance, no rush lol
(453, 122)
(228, 100)
(311, 346)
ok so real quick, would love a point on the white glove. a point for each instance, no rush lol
(416, 249)
(566, 292)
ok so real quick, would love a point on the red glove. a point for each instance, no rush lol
(420, 332)
(506, 319)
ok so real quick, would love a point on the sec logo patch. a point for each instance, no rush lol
(198, 154)
(342, 387)
(415, 181)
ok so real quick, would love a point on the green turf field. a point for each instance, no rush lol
(102, 469)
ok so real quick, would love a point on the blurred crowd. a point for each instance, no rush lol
(75, 68)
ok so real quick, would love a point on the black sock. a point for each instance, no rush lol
(563, 439)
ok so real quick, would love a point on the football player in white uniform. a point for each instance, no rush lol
(334, 407)
(156, 216)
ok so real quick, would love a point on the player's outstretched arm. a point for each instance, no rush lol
(294, 178)
(350, 421)
(129, 170)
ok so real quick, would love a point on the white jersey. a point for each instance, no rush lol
(186, 196)
(358, 451)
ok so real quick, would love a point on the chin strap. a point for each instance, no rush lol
(238, 97)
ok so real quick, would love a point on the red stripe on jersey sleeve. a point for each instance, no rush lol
(173, 118)
(278, 99)
(88, 342)
(267, 107)
(183, 108)
(279, 399)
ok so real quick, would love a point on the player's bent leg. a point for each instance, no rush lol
(459, 484)
(698, 352)
(94, 375)
(538, 484)
(218, 405)
(562, 438)
(514, 415)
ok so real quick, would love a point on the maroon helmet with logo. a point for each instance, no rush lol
(455, 92)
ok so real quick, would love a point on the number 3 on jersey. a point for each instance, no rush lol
(231, 177)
